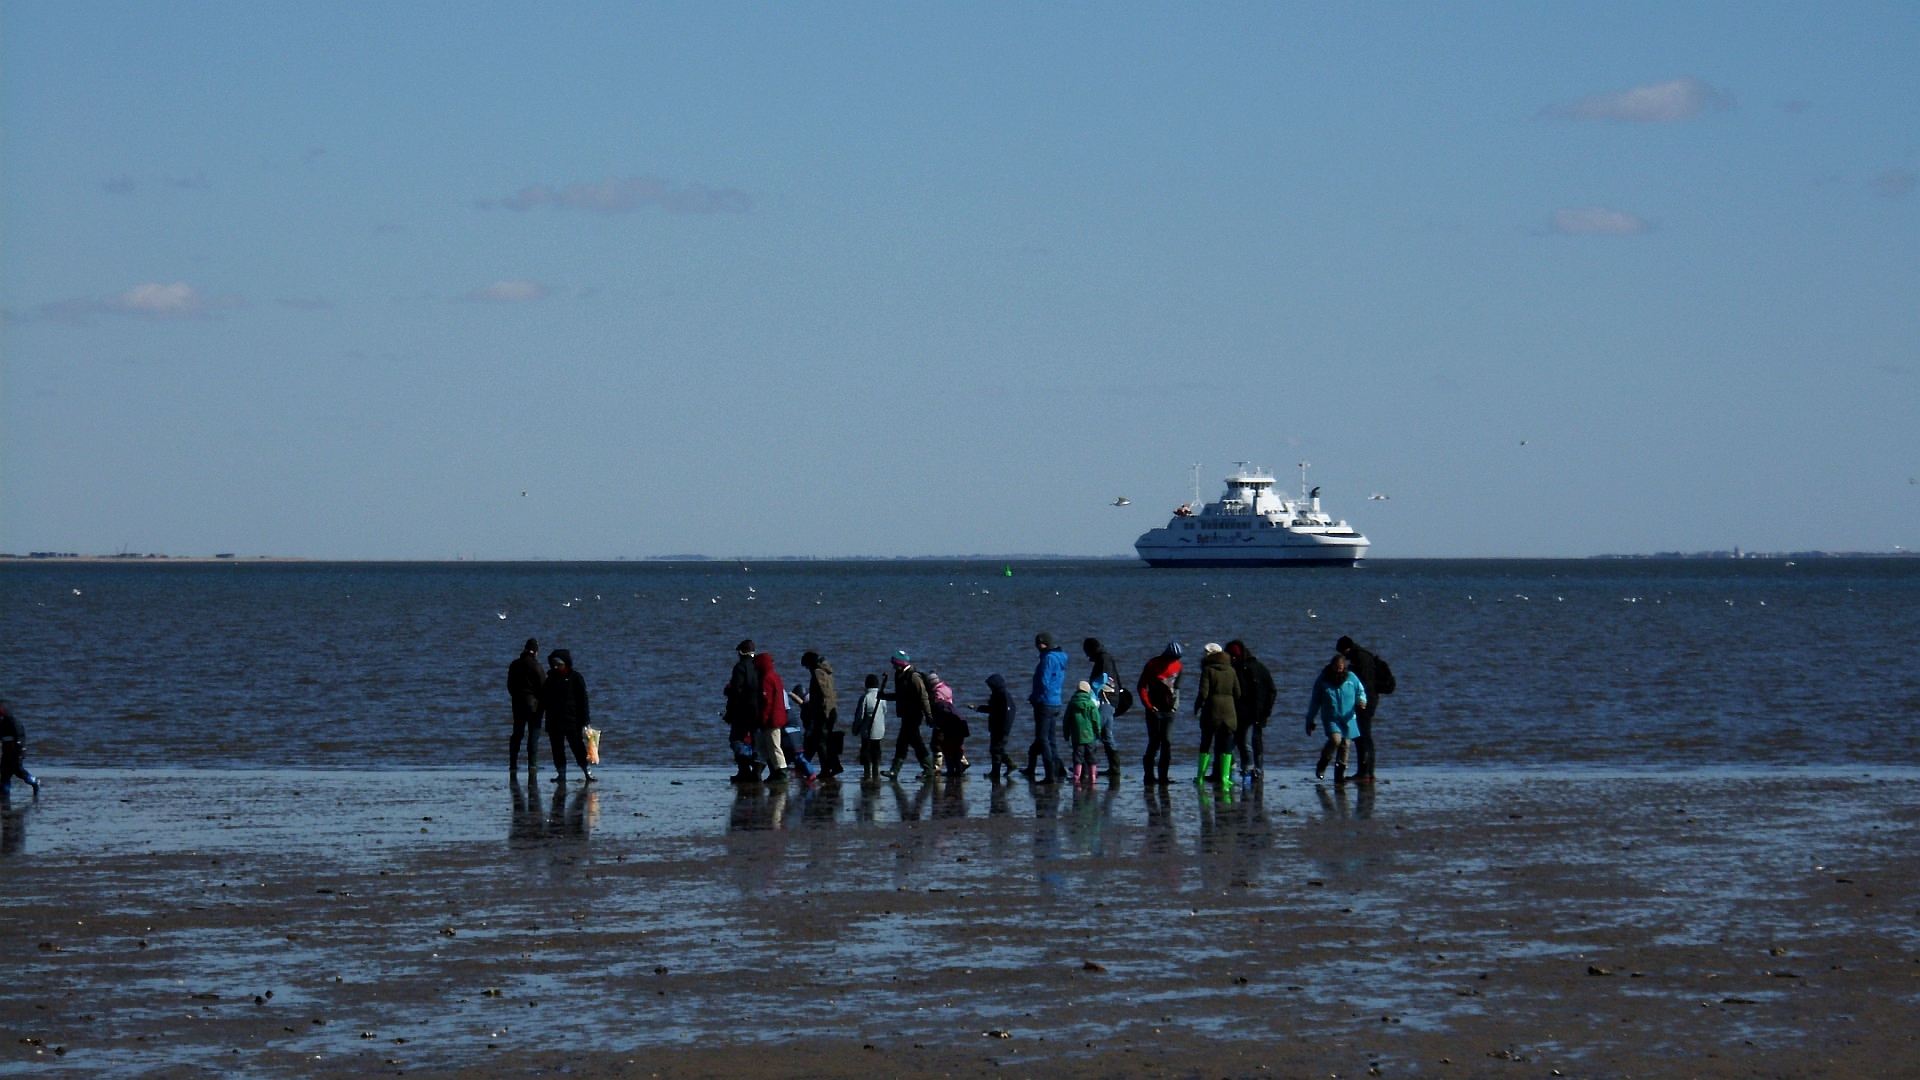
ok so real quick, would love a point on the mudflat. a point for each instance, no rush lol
(1448, 923)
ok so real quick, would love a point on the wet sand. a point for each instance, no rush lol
(1575, 922)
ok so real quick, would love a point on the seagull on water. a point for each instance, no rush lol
(502, 614)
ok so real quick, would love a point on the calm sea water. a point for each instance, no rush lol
(382, 666)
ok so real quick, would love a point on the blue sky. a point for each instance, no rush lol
(344, 280)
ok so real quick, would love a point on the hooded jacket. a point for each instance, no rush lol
(743, 694)
(1218, 701)
(1159, 686)
(773, 693)
(1049, 678)
(524, 678)
(999, 707)
(822, 702)
(1257, 694)
(1337, 702)
(10, 729)
(870, 716)
(1082, 719)
(1103, 664)
(563, 700)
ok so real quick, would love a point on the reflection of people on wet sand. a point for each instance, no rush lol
(13, 753)
(13, 831)
(1337, 697)
(524, 680)
(563, 701)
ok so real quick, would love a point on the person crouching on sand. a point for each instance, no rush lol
(1083, 731)
(1337, 698)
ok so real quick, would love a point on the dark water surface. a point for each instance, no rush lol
(383, 665)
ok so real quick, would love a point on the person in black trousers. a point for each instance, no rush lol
(1377, 678)
(13, 754)
(1256, 682)
(563, 700)
(523, 687)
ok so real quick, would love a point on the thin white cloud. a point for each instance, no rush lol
(152, 300)
(1656, 103)
(1597, 221)
(1894, 183)
(509, 292)
(618, 195)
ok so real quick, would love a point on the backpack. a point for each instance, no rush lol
(1382, 677)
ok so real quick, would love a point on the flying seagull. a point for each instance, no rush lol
(1123, 501)
(1377, 497)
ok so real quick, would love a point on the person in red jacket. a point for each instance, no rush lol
(773, 717)
(1159, 692)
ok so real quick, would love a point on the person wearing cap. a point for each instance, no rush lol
(13, 754)
(914, 706)
(743, 713)
(523, 688)
(1217, 704)
(1159, 692)
(1049, 680)
(1082, 722)
(563, 705)
(1258, 696)
(1337, 697)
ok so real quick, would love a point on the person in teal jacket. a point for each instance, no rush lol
(1083, 731)
(1337, 699)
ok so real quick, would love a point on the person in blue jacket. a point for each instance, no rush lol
(1337, 700)
(1049, 680)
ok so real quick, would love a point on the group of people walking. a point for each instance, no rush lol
(1233, 701)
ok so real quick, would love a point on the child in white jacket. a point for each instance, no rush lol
(870, 724)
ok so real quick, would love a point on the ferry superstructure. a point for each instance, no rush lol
(1252, 525)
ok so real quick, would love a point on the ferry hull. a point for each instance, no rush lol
(1250, 563)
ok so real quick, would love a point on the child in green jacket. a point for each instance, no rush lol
(1083, 731)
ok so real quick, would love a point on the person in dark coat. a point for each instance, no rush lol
(999, 710)
(1159, 693)
(1257, 698)
(1104, 664)
(820, 716)
(743, 713)
(13, 753)
(1376, 678)
(523, 687)
(1217, 704)
(563, 705)
(913, 705)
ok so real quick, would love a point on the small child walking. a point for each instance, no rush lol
(870, 725)
(1083, 731)
(999, 710)
(13, 753)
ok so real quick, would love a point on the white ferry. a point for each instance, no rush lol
(1252, 525)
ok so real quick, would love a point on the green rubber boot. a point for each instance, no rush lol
(1206, 762)
(1226, 772)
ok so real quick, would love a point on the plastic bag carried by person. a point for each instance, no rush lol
(592, 735)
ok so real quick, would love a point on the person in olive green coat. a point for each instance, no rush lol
(1217, 706)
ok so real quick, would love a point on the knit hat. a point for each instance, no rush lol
(1213, 647)
(744, 647)
(1173, 649)
(1043, 639)
(1086, 687)
(532, 646)
(901, 658)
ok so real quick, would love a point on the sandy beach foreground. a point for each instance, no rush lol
(1450, 924)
